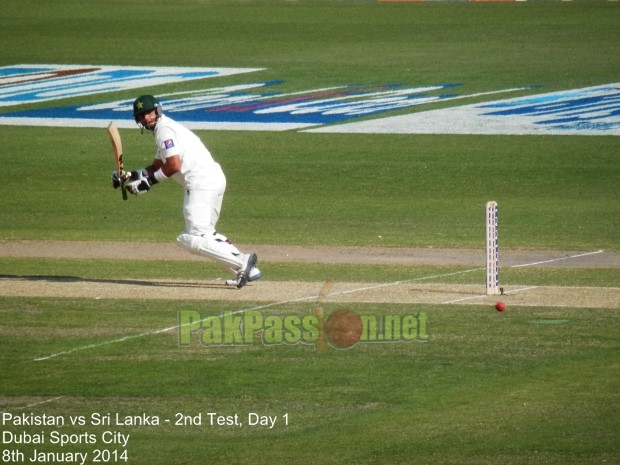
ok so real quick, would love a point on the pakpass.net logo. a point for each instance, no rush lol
(342, 329)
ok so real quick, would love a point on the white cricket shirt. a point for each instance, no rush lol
(198, 169)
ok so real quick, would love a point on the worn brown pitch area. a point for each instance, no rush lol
(415, 290)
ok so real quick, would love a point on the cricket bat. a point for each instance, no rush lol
(117, 150)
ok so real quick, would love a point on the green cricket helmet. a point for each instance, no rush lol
(145, 104)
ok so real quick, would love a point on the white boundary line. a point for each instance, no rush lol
(301, 299)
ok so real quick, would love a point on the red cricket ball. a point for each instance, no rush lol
(500, 306)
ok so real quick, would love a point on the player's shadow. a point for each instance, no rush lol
(125, 282)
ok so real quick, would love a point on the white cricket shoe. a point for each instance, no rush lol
(253, 276)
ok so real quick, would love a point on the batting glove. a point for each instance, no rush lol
(140, 183)
(117, 179)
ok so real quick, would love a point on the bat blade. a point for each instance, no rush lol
(117, 151)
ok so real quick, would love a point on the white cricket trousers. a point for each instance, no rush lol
(201, 210)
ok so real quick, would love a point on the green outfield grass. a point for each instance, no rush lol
(530, 385)
(553, 192)
(486, 387)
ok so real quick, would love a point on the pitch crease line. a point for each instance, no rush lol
(558, 259)
(47, 401)
(158, 331)
(482, 296)
(514, 291)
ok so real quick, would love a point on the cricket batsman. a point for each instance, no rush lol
(181, 155)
